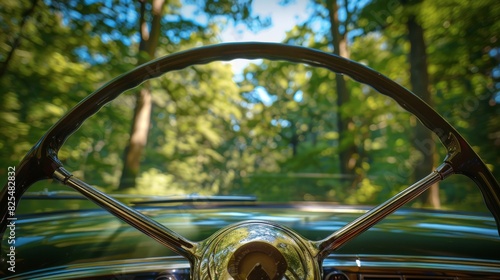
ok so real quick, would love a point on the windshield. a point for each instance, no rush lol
(270, 134)
(272, 130)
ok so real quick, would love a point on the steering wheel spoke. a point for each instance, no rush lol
(370, 218)
(143, 223)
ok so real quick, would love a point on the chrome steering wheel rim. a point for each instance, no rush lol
(42, 162)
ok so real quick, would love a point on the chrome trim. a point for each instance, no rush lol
(335, 273)
(370, 218)
(231, 252)
(148, 226)
(455, 268)
(367, 264)
(382, 276)
(115, 268)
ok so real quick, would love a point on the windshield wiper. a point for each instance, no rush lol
(55, 195)
(46, 194)
(142, 199)
(197, 198)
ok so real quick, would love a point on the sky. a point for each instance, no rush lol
(283, 19)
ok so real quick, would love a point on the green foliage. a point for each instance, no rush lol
(43, 80)
(191, 119)
(239, 12)
(460, 64)
(273, 134)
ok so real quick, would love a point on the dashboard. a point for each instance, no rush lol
(345, 267)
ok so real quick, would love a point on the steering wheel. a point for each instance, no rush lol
(250, 249)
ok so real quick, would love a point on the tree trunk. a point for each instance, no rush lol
(422, 141)
(347, 147)
(143, 107)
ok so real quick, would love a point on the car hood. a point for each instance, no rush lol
(63, 238)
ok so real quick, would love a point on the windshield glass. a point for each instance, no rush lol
(270, 134)
(272, 130)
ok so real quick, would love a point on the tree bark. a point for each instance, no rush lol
(347, 148)
(143, 106)
(423, 140)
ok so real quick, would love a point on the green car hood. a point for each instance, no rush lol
(71, 237)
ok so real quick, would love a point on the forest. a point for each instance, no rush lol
(277, 130)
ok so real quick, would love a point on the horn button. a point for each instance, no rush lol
(257, 260)
(257, 250)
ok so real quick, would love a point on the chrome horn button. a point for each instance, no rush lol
(257, 250)
(257, 259)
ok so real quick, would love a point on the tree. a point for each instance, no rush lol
(46, 69)
(53, 37)
(348, 151)
(142, 111)
(459, 67)
(239, 11)
(277, 139)
(340, 18)
(401, 19)
(463, 66)
(419, 78)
